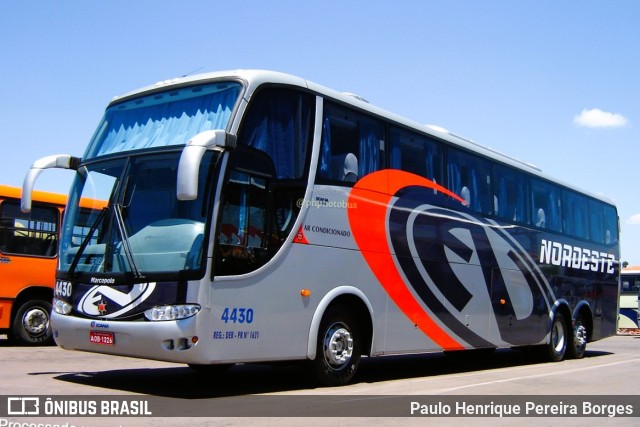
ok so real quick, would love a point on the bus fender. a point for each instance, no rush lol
(582, 305)
(322, 307)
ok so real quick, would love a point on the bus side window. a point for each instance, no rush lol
(414, 153)
(279, 122)
(470, 178)
(610, 225)
(351, 146)
(575, 216)
(35, 233)
(596, 221)
(545, 205)
(509, 194)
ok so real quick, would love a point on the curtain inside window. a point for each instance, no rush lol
(164, 119)
(278, 125)
(325, 157)
(369, 156)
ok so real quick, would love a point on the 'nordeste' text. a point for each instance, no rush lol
(564, 255)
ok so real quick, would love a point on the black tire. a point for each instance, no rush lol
(31, 324)
(557, 347)
(339, 348)
(578, 345)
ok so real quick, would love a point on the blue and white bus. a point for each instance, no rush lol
(255, 216)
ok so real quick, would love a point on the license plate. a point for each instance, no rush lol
(101, 337)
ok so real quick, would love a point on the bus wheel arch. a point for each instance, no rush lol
(31, 316)
(341, 332)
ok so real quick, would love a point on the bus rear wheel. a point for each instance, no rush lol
(557, 346)
(578, 345)
(338, 349)
(31, 324)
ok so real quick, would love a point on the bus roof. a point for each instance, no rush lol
(48, 197)
(254, 78)
(38, 195)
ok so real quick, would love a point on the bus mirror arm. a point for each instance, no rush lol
(189, 166)
(61, 161)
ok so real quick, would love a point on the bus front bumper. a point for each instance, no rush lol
(170, 341)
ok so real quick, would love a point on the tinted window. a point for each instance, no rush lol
(416, 154)
(610, 225)
(470, 178)
(545, 205)
(350, 145)
(509, 194)
(575, 214)
(280, 123)
(596, 221)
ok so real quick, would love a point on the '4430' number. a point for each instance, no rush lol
(237, 315)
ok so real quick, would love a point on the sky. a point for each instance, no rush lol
(553, 83)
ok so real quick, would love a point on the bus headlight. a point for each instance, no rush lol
(172, 312)
(61, 307)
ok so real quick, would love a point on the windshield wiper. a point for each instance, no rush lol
(128, 253)
(86, 240)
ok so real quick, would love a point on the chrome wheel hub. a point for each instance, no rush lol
(35, 321)
(338, 346)
(580, 336)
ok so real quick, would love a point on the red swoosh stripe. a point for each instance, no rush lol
(371, 197)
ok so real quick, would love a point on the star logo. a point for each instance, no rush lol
(102, 307)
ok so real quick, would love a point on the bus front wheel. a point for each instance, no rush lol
(338, 348)
(31, 324)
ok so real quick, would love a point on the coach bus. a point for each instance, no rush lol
(629, 301)
(255, 216)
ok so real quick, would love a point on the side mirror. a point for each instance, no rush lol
(189, 166)
(61, 161)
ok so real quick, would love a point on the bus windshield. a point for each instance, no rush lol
(145, 229)
(164, 119)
